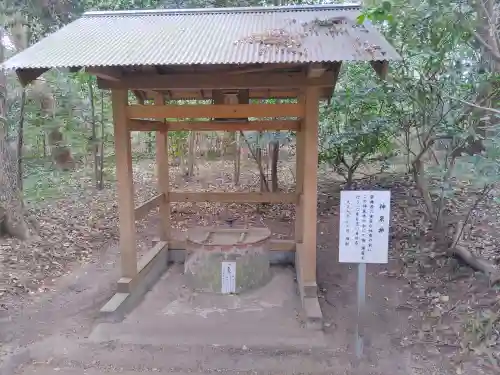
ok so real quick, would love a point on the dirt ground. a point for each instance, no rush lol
(398, 326)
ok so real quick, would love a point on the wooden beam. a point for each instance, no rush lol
(155, 125)
(254, 94)
(243, 197)
(26, 76)
(126, 211)
(215, 111)
(315, 70)
(381, 68)
(265, 67)
(197, 81)
(143, 210)
(162, 174)
(110, 74)
(177, 95)
(143, 125)
(310, 187)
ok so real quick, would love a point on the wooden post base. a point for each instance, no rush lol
(131, 291)
(308, 291)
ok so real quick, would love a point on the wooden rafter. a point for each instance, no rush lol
(199, 81)
(111, 74)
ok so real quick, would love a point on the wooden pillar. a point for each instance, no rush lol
(299, 178)
(162, 175)
(308, 201)
(126, 215)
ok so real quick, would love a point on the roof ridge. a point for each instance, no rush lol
(261, 9)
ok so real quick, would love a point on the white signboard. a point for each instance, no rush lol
(228, 274)
(364, 226)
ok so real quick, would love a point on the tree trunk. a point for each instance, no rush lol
(275, 149)
(237, 159)
(149, 142)
(11, 204)
(20, 142)
(191, 154)
(258, 160)
(100, 186)
(349, 179)
(93, 138)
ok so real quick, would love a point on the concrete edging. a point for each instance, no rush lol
(131, 291)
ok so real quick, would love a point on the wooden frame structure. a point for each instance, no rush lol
(310, 84)
(160, 77)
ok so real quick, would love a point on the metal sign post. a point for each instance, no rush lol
(363, 238)
(361, 307)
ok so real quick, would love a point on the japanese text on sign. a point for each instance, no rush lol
(364, 226)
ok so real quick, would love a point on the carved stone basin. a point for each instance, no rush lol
(243, 251)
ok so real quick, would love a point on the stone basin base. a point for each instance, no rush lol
(207, 248)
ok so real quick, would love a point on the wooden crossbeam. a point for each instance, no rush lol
(154, 125)
(243, 197)
(215, 111)
(199, 81)
(254, 94)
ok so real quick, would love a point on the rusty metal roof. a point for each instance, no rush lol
(207, 37)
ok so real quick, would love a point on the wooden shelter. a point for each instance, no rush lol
(246, 54)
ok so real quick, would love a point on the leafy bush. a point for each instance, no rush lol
(353, 127)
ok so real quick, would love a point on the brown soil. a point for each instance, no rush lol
(397, 329)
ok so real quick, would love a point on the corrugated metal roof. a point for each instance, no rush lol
(205, 36)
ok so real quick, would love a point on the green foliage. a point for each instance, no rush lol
(379, 13)
(445, 140)
(355, 125)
